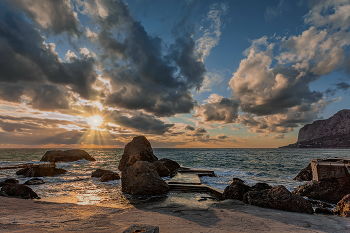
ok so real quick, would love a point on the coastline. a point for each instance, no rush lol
(20, 215)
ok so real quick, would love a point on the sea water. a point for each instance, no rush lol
(273, 166)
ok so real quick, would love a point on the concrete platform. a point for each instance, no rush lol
(187, 180)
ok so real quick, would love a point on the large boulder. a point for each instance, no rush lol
(66, 156)
(141, 178)
(170, 164)
(328, 190)
(305, 174)
(343, 206)
(19, 191)
(278, 198)
(40, 171)
(236, 189)
(139, 149)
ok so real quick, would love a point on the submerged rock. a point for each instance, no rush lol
(139, 149)
(34, 181)
(19, 191)
(40, 171)
(9, 181)
(141, 178)
(305, 174)
(328, 190)
(107, 176)
(278, 198)
(343, 206)
(66, 156)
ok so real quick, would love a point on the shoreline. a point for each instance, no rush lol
(20, 215)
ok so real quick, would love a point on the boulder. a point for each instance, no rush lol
(99, 172)
(328, 190)
(343, 206)
(9, 181)
(236, 189)
(162, 170)
(40, 171)
(305, 174)
(18, 190)
(107, 176)
(139, 149)
(141, 178)
(170, 164)
(34, 181)
(278, 198)
(66, 156)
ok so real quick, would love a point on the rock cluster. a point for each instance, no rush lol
(263, 195)
(66, 156)
(141, 169)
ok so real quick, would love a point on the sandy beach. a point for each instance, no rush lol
(19, 215)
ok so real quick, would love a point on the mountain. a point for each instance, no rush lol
(333, 132)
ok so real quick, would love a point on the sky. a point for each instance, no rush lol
(184, 73)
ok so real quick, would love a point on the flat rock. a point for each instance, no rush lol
(34, 181)
(66, 156)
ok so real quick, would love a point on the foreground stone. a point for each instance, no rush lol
(19, 191)
(278, 198)
(66, 156)
(40, 171)
(142, 179)
(139, 149)
(142, 228)
(343, 206)
(328, 190)
(34, 181)
(236, 190)
(305, 174)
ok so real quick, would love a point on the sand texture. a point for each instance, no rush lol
(19, 215)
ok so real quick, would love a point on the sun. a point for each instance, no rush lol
(94, 121)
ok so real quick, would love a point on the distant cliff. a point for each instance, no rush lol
(333, 132)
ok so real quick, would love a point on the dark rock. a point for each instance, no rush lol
(142, 228)
(66, 156)
(343, 206)
(162, 170)
(142, 179)
(34, 181)
(18, 190)
(236, 189)
(260, 186)
(333, 132)
(322, 210)
(40, 171)
(139, 149)
(170, 164)
(99, 172)
(305, 174)
(278, 198)
(9, 181)
(328, 190)
(107, 176)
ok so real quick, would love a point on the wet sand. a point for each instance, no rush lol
(171, 215)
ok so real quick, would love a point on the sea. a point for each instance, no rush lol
(273, 166)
